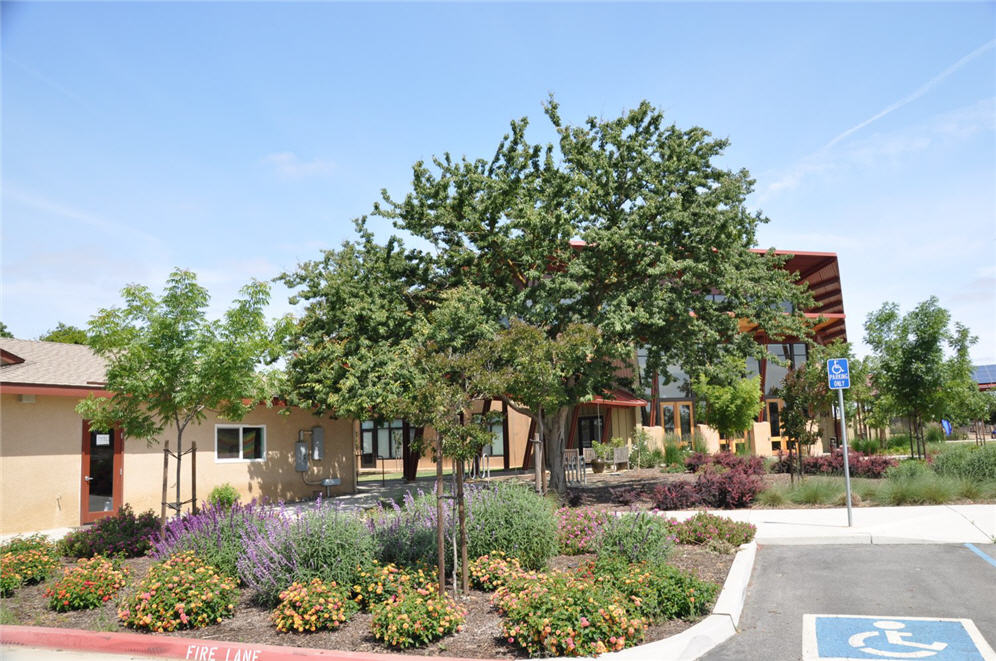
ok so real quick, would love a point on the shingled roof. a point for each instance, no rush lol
(50, 363)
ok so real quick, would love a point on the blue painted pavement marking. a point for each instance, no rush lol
(978, 552)
(853, 638)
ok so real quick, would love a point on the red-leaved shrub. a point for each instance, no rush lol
(727, 489)
(752, 465)
(676, 496)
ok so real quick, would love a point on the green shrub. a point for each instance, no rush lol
(560, 614)
(34, 542)
(324, 542)
(223, 496)
(32, 563)
(124, 534)
(703, 528)
(643, 456)
(899, 442)
(515, 520)
(674, 452)
(505, 517)
(865, 445)
(413, 618)
(655, 592)
(377, 582)
(89, 584)
(312, 606)
(182, 592)
(490, 572)
(935, 434)
(637, 537)
(968, 461)
(907, 469)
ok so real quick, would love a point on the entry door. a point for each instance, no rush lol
(102, 472)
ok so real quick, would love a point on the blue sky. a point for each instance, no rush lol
(238, 139)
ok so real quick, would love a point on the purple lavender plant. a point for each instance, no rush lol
(324, 542)
(215, 533)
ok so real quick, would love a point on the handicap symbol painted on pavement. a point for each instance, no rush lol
(856, 637)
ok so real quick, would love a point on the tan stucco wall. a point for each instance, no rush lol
(273, 478)
(40, 462)
(40, 479)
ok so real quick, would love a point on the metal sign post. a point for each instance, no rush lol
(839, 377)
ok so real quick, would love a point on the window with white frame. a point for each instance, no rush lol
(239, 443)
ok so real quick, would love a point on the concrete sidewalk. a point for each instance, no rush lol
(917, 524)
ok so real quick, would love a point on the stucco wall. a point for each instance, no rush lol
(273, 478)
(40, 462)
(40, 480)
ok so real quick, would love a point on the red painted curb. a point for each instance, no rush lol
(172, 647)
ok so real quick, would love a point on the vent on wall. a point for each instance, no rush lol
(26, 399)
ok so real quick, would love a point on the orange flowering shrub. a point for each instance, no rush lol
(378, 583)
(26, 563)
(412, 618)
(492, 571)
(87, 585)
(181, 592)
(654, 592)
(312, 606)
(561, 614)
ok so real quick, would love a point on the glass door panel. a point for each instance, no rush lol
(100, 478)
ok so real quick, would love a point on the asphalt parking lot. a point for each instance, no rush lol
(888, 581)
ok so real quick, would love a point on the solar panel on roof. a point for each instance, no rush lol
(984, 374)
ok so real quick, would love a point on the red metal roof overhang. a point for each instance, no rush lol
(54, 390)
(619, 397)
(821, 273)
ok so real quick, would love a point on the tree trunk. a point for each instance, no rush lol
(440, 533)
(179, 461)
(553, 446)
(162, 522)
(798, 451)
(464, 578)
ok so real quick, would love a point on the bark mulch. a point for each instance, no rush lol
(480, 638)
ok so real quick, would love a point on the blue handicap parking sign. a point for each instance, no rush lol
(855, 637)
(838, 374)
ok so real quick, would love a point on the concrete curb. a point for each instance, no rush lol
(689, 644)
(173, 647)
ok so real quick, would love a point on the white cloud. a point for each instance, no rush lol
(290, 165)
(916, 94)
(39, 203)
(954, 126)
(826, 157)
